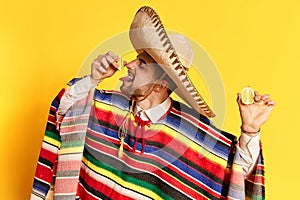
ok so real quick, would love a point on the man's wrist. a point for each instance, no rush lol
(250, 131)
(94, 81)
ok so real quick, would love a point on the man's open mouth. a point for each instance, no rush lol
(128, 78)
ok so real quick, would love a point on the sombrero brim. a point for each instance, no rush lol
(147, 33)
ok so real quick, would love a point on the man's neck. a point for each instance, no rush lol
(152, 100)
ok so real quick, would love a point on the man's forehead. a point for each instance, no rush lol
(145, 57)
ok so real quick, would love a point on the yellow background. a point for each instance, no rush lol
(43, 43)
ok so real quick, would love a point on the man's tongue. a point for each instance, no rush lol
(124, 79)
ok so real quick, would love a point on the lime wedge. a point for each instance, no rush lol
(247, 95)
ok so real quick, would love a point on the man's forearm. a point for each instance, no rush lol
(76, 92)
(249, 149)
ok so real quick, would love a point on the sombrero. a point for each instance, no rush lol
(172, 52)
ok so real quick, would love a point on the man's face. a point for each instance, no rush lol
(141, 76)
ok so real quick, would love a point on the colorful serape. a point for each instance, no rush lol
(184, 157)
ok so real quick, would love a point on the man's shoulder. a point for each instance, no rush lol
(110, 94)
(184, 110)
(190, 114)
(73, 81)
(112, 97)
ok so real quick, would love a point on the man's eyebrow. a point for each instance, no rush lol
(142, 61)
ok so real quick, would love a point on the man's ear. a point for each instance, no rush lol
(161, 85)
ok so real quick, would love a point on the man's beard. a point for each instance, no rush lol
(139, 93)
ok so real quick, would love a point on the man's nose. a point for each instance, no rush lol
(131, 65)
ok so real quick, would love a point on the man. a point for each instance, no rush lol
(141, 144)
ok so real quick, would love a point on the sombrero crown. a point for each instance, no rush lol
(173, 53)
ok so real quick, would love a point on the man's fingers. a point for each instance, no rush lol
(102, 70)
(104, 62)
(98, 67)
(112, 55)
(265, 97)
(238, 99)
(257, 96)
(95, 64)
(270, 102)
(108, 59)
(256, 93)
(112, 61)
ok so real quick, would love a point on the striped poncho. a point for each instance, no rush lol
(181, 156)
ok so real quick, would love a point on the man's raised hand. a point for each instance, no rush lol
(104, 66)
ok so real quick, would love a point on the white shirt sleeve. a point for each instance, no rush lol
(74, 93)
(249, 151)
